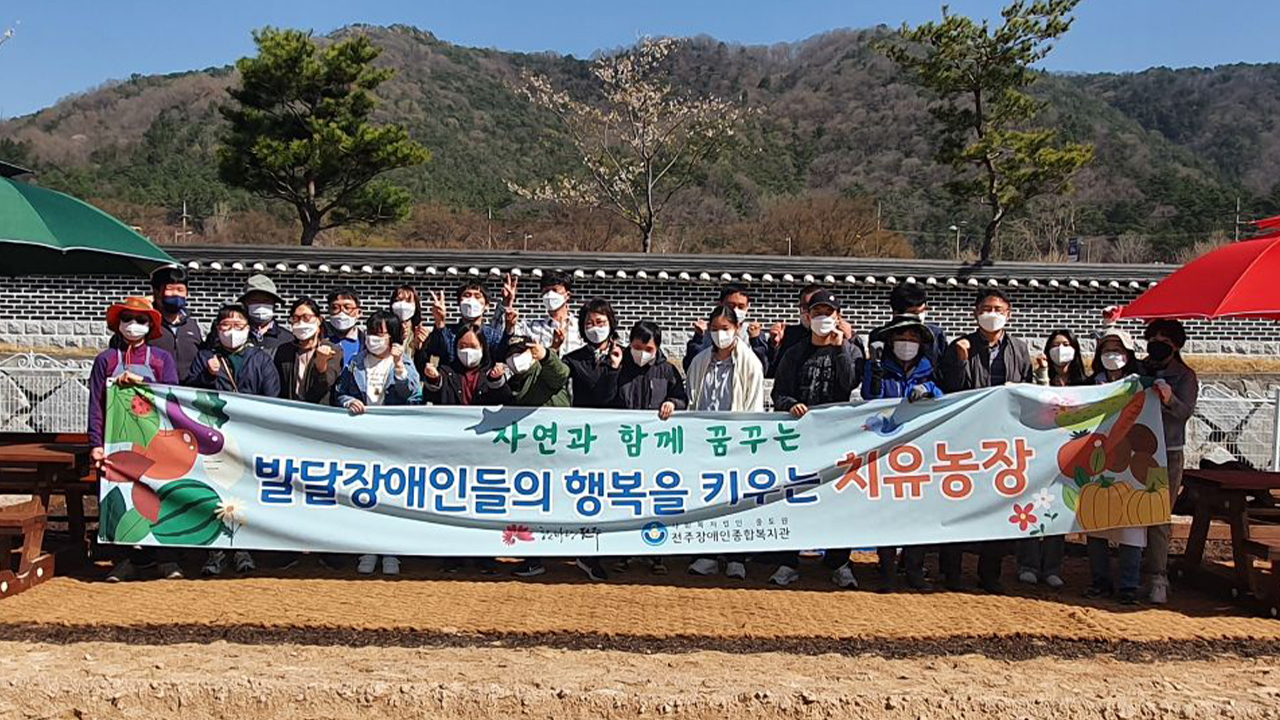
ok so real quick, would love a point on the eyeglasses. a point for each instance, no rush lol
(347, 307)
(130, 317)
(303, 318)
(224, 326)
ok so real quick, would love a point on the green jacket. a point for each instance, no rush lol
(545, 385)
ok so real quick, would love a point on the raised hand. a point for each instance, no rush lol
(215, 366)
(324, 354)
(510, 285)
(437, 308)
(615, 357)
(421, 333)
(776, 332)
(962, 349)
(497, 371)
(699, 326)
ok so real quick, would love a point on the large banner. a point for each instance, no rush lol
(195, 468)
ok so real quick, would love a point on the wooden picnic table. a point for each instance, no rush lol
(1225, 495)
(46, 466)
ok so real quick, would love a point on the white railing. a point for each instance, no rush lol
(1229, 426)
(39, 393)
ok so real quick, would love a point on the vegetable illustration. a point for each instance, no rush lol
(1102, 504)
(1149, 506)
(1142, 465)
(188, 514)
(1143, 440)
(131, 415)
(1119, 454)
(1091, 415)
(145, 501)
(208, 440)
(125, 466)
(1128, 417)
(172, 453)
(1084, 452)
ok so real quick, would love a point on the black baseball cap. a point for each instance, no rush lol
(823, 297)
(168, 275)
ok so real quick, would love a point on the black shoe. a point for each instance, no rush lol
(488, 566)
(452, 565)
(529, 568)
(592, 568)
(1128, 597)
(994, 587)
(658, 567)
(918, 582)
(953, 583)
(1098, 591)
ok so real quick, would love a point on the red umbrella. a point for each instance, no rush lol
(1237, 280)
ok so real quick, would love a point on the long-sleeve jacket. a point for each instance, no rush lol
(546, 384)
(748, 379)
(447, 389)
(590, 377)
(257, 374)
(702, 341)
(887, 378)
(353, 384)
(106, 366)
(317, 387)
(975, 372)
(816, 375)
(633, 387)
(1186, 390)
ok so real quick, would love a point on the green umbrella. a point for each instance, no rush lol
(43, 232)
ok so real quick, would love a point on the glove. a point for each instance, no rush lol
(918, 392)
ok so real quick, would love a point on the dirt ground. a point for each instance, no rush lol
(305, 643)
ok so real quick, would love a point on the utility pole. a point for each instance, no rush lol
(1237, 218)
(490, 228)
(788, 246)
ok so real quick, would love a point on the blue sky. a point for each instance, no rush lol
(66, 46)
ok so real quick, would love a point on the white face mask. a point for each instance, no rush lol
(906, 350)
(921, 314)
(1062, 354)
(470, 357)
(641, 357)
(723, 338)
(377, 345)
(1114, 360)
(992, 321)
(823, 325)
(741, 314)
(597, 334)
(521, 363)
(403, 309)
(554, 300)
(342, 322)
(471, 308)
(261, 313)
(305, 331)
(134, 331)
(233, 339)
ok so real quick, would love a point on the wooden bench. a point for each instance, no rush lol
(72, 486)
(1268, 550)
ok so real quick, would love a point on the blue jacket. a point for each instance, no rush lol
(353, 384)
(443, 342)
(887, 379)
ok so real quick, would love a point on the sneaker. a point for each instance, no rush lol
(390, 565)
(1101, 591)
(244, 562)
(784, 576)
(1128, 597)
(215, 564)
(704, 567)
(843, 577)
(122, 572)
(530, 568)
(1054, 582)
(170, 571)
(452, 565)
(622, 565)
(592, 568)
(658, 566)
(735, 570)
(1159, 590)
(1028, 577)
(918, 582)
(366, 564)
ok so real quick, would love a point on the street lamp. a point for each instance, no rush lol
(956, 228)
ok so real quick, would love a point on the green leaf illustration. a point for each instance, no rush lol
(1069, 497)
(188, 514)
(109, 514)
(131, 415)
(132, 528)
(211, 407)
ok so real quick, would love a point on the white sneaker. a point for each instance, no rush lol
(366, 564)
(843, 577)
(1159, 590)
(244, 562)
(1054, 582)
(390, 565)
(1028, 577)
(735, 570)
(214, 565)
(170, 571)
(704, 567)
(784, 576)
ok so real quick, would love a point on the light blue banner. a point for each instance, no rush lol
(197, 468)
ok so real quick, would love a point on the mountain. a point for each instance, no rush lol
(835, 119)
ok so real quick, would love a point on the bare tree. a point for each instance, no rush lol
(1131, 248)
(642, 145)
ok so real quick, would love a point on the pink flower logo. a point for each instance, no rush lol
(516, 533)
(1023, 516)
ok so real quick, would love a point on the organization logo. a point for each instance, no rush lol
(654, 534)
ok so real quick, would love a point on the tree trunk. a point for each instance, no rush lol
(647, 244)
(309, 233)
(309, 218)
(989, 237)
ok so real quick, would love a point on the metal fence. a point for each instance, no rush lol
(39, 393)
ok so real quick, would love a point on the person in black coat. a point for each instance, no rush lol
(228, 362)
(646, 380)
(600, 355)
(471, 378)
(308, 366)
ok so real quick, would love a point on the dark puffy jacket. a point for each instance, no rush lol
(587, 376)
(633, 387)
(257, 374)
(791, 386)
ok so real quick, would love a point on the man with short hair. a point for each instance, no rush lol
(344, 321)
(261, 299)
(736, 298)
(558, 330)
(180, 333)
(987, 357)
(912, 299)
(474, 303)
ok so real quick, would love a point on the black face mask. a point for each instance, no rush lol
(1159, 351)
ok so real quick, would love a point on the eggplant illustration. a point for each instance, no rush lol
(208, 440)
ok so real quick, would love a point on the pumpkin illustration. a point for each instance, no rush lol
(1102, 504)
(1148, 507)
(1085, 452)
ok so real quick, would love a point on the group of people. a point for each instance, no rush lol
(412, 350)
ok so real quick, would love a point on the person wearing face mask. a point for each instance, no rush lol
(726, 377)
(783, 337)
(180, 334)
(912, 299)
(1178, 389)
(899, 367)
(600, 356)
(988, 357)
(261, 299)
(344, 321)
(1040, 558)
(557, 330)
(130, 361)
(407, 308)
(228, 363)
(473, 304)
(735, 298)
(820, 370)
(309, 365)
(1114, 359)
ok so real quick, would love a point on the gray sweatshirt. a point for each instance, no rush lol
(1186, 388)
